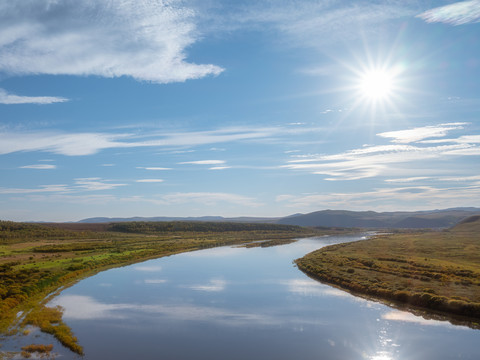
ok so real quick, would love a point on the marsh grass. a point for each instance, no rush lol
(439, 271)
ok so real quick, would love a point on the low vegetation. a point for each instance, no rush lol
(438, 271)
(42, 351)
(37, 260)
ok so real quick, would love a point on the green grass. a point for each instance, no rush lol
(37, 260)
(438, 271)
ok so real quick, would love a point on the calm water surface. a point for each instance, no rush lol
(237, 303)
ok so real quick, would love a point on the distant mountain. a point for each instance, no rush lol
(435, 219)
(165, 218)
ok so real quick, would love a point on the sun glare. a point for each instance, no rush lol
(376, 84)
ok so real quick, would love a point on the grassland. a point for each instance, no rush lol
(434, 270)
(38, 260)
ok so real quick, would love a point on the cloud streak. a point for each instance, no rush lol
(143, 40)
(39, 167)
(79, 185)
(460, 13)
(389, 199)
(377, 160)
(11, 99)
(421, 133)
(310, 23)
(204, 162)
(81, 144)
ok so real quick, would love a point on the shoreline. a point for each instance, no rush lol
(433, 273)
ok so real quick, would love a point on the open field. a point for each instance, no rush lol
(37, 260)
(438, 271)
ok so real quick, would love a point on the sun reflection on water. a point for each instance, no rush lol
(382, 356)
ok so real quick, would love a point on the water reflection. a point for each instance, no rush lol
(79, 307)
(403, 316)
(213, 285)
(309, 287)
(238, 303)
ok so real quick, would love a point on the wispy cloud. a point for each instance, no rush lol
(40, 189)
(460, 13)
(59, 143)
(310, 23)
(153, 168)
(79, 185)
(220, 167)
(204, 162)
(146, 40)
(407, 180)
(80, 144)
(95, 184)
(10, 99)
(383, 160)
(389, 199)
(149, 180)
(39, 167)
(421, 133)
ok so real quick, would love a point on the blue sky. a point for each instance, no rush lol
(237, 108)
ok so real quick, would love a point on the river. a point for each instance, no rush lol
(244, 303)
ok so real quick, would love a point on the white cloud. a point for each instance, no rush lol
(406, 180)
(82, 184)
(39, 166)
(9, 99)
(154, 168)
(310, 23)
(144, 40)
(388, 199)
(421, 133)
(150, 180)
(40, 189)
(219, 167)
(59, 143)
(460, 13)
(80, 144)
(95, 184)
(204, 162)
(376, 160)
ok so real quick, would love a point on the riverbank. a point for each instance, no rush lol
(38, 260)
(434, 270)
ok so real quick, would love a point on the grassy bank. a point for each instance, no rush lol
(37, 260)
(438, 271)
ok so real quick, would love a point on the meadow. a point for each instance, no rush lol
(434, 270)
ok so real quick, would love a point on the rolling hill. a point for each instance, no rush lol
(435, 219)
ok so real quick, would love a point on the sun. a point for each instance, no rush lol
(376, 84)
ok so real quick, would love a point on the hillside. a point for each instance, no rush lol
(470, 224)
(436, 219)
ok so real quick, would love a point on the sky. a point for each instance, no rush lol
(237, 108)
